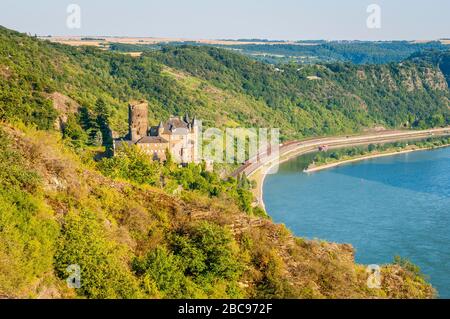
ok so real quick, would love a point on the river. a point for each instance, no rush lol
(397, 205)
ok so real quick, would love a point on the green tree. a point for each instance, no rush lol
(103, 116)
(165, 270)
(104, 274)
(74, 132)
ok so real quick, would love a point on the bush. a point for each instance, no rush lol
(74, 132)
(409, 266)
(218, 249)
(27, 226)
(202, 262)
(104, 274)
(133, 164)
(162, 269)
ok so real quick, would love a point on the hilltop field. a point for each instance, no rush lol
(270, 51)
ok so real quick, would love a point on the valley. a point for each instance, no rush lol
(139, 228)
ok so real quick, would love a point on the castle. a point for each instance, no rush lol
(179, 136)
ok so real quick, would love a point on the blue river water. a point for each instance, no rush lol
(396, 205)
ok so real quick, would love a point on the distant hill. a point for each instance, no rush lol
(440, 59)
(358, 52)
(220, 86)
(336, 96)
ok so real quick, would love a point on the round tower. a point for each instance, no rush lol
(138, 119)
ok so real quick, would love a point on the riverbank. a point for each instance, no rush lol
(256, 162)
(259, 175)
(395, 205)
(321, 167)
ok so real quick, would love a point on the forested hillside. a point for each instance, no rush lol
(221, 87)
(407, 94)
(133, 238)
(143, 229)
(357, 52)
(437, 58)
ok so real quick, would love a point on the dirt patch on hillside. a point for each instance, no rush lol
(5, 72)
(65, 106)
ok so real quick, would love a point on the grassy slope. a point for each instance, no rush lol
(126, 221)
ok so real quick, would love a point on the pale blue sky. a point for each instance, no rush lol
(214, 19)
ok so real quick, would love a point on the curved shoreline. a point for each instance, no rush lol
(296, 146)
(260, 175)
(259, 169)
(366, 157)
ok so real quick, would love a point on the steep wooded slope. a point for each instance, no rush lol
(136, 241)
(225, 88)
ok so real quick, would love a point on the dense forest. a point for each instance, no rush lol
(144, 229)
(336, 96)
(221, 87)
(357, 52)
(437, 58)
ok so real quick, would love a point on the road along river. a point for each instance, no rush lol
(257, 170)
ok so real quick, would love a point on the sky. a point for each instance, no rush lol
(233, 19)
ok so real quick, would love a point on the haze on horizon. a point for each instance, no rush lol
(233, 19)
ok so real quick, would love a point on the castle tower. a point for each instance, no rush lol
(138, 119)
(196, 129)
(186, 120)
(160, 128)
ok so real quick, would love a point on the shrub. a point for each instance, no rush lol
(163, 269)
(27, 227)
(133, 164)
(104, 273)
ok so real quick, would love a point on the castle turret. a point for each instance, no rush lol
(186, 118)
(160, 128)
(195, 122)
(196, 130)
(138, 119)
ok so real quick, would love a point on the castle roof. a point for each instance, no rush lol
(175, 123)
(152, 140)
(138, 102)
(175, 126)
